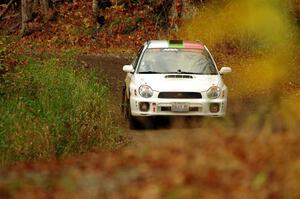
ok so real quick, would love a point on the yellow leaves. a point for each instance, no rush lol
(87, 22)
(259, 180)
(118, 7)
(291, 181)
(257, 39)
(237, 19)
(78, 14)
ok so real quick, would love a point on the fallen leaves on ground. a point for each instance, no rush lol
(202, 165)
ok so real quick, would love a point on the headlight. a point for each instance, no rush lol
(213, 92)
(145, 91)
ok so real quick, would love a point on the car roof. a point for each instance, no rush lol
(174, 44)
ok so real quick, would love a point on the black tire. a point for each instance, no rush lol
(140, 123)
(123, 99)
(133, 122)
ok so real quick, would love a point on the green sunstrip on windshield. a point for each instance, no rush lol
(173, 44)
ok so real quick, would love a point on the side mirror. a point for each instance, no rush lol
(225, 70)
(128, 68)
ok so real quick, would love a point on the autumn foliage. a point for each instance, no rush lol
(252, 153)
(202, 165)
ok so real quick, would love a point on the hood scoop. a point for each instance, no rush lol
(179, 76)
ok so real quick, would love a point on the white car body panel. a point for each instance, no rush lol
(158, 82)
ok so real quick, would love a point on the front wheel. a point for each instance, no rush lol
(133, 122)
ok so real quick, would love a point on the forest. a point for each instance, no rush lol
(62, 133)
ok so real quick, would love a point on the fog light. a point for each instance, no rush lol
(144, 106)
(214, 107)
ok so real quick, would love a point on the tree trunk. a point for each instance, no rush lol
(46, 6)
(24, 16)
(163, 12)
(46, 9)
(26, 11)
(175, 14)
(95, 8)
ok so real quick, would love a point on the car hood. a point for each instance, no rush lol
(159, 82)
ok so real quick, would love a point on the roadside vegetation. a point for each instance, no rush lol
(49, 107)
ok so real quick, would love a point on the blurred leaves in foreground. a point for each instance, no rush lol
(202, 165)
(258, 37)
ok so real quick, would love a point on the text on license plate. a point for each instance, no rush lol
(180, 107)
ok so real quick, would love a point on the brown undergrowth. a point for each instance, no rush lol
(253, 153)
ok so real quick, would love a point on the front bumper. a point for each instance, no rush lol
(163, 107)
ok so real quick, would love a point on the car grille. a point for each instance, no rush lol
(180, 95)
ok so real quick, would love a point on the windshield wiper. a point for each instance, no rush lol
(148, 72)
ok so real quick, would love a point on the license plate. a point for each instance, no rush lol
(180, 107)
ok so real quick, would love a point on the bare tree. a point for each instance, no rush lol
(26, 11)
(45, 5)
(29, 11)
(46, 9)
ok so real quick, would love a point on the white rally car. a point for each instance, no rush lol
(173, 78)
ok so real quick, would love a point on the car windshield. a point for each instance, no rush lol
(172, 60)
